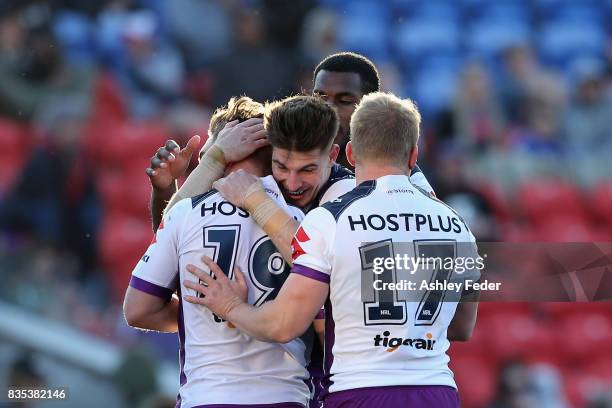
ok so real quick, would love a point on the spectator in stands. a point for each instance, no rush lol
(589, 118)
(55, 199)
(514, 389)
(479, 121)
(455, 188)
(33, 72)
(539, 134)
(519, 66)
(152, 71)
(254, 67)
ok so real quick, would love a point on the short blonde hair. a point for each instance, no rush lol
(238, 108)
(385, 128)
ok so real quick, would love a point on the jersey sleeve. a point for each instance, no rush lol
(312, 245)
(418, 179)
(157, 271)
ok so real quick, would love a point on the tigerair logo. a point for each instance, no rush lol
(393, 343)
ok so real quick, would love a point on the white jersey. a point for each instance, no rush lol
(341, 180)
(220, 364)
(383, 337)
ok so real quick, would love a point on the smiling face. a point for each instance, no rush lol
(342, 91)
(300, 175)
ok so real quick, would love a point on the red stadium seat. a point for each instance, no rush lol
(125, 144)
(541, 201)
(584, 382)
(123, 240)
(514, 335)
(601, 202)
(515, 232)
(564, 229)
(476, 378)
(125, 193)
(15, 146)
(586, 335)
(108, 103)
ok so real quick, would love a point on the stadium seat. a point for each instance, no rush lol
(15, 142)
(489, 37)
(542, 200)
(122, 241)
(433, 89)
(565, 229)
(601, 202)
(417, 38)
(365, 28)
(515, 335)
(124, 193)
(108, 102)
(476, 378)
(561, 41)
(126, 144)
(585, 381)
(586, 336)
(74, 32)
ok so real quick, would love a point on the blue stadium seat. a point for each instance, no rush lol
(431, 9)
(491, 36)
(74, 32)
(433, 89)
(365, 28)
(562, 41)
(418, 38)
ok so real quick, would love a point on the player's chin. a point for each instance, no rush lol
(301, 199)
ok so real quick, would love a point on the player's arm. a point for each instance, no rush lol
(167, 164)
(246, 191)
(145, 311)
(463, 323)
(148, 302)
(280, 320)
(235, 142)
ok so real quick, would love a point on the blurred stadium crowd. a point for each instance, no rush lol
(516, 97)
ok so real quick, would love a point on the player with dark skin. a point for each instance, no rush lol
(342, 91)
(332, 82)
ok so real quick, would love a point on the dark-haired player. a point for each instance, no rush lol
(386, 351)
(219, 365)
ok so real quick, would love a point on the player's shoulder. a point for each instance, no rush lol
(200, 198)
(341, 204)
(339, 172)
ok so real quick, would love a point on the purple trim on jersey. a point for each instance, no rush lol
(151, 288)
(181, 334)
(320, 315)
(330, 338)
(277, 405)
(310, 273)
(414, 396)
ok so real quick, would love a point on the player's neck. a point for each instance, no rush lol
(365, 172)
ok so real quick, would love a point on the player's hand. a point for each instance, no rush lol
(239, 140)
(237, 186)
(170, 162)
(221, 295)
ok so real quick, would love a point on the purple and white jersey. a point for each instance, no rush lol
(376, 336)
(342, 180)
(219, 363)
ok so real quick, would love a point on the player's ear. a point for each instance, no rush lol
(333, 152)
(349, 154)
(412, 157)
